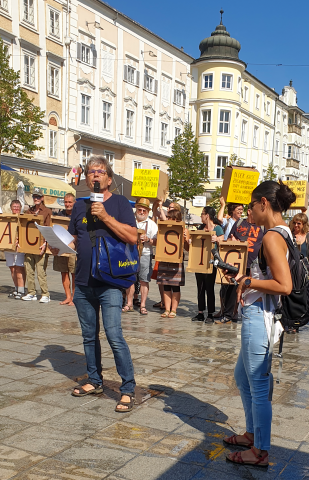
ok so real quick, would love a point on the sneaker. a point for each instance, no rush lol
(12, 295)
(44, 299)
(18, 296)
(29, 297)
(198, 318)
(223, 320)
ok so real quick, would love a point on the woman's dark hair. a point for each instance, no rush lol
(175, 215)
(279, 195)
(231, 207)
(212, 215)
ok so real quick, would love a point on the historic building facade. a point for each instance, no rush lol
(233, 112)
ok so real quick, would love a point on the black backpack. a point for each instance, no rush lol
(292, 312)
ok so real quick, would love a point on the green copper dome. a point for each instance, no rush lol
(220, 44)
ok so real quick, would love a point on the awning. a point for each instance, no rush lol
(51, 187)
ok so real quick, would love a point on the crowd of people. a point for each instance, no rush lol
(114, 218)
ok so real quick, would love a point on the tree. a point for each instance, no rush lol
(270, 173)
(20, 119)
(187, 169)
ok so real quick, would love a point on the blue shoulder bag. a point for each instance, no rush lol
(113, 261)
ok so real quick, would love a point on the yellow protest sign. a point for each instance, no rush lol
(301, 190)
(149, 183)
(238, 184)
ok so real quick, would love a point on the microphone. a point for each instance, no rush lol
(96, 196)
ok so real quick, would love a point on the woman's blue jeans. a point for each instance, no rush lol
(250, 376)
(88, 301)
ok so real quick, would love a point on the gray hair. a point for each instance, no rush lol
(69, 194)
(99, 160)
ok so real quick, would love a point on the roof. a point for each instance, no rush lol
(117, 13)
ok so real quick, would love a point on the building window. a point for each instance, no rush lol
(255, 136)
(54, 23)
(290, 151)
(226, 81)
(284, 119)
(107, 63)
(110, 157)
(239, 85)
(244, 131)
(246, 93)
(85, 118)
(129, 123)
(278, 118)
(148, 129)
(4, 5)
(277, 147)
(179, 97)
(52, 143)
(177, 132)
(206, 165)
(266, 142)
(257, 101)
(165, 92)
(53, 81)
(268, 108)
(86, 54)
(163, 134)
(131, 75)
(107, 108)
(29, 71)
(224, 123)
(283, 150)
(150, 84)
(86, 153)
(28, 11)
(221, 164)
(206, 121)
(137, 164)
(155, 167)
(208, 80)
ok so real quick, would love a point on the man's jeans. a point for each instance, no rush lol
(88, 301)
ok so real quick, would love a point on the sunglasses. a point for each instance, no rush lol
(36, 197)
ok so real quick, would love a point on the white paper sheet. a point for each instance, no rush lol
(57, 237)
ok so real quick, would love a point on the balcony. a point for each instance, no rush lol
(292, 163)
(294, 128)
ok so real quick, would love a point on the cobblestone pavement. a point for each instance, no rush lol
(187, 398)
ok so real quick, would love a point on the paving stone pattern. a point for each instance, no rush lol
(187, 400)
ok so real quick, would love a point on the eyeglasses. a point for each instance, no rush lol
(253, 203)
(99, 172)
(142, 210)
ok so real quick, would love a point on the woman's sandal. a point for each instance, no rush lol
(237, 458)
(97, 388)
(143, 311)
(128, 309)
(159, 305)
(136, 302)
(232, 441)
(172, 314)
(129, 404)
(165, 314)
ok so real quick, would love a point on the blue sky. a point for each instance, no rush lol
(270, 32)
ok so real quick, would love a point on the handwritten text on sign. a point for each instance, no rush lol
(300, 188)
(145, 183)
(242, 183)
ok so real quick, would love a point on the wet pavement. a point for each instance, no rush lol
(187, 400)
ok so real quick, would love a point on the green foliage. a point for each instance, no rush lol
(270, 173)
(20, 119)
(187, 168)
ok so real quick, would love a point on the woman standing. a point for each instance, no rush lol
(300, 229)
(268, 202)
(206, 281)
(172, 275)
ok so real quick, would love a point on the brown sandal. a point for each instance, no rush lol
(232, 441)
(97, 388)
(143, 311)
(237, 458)
(129, 404)
(128, 309)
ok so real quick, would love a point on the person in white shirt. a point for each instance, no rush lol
(15, 262)
(149, 238)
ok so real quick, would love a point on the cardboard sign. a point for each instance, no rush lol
(200, 252)
(59, 220)
(238, 184)
(150, 184)
(235, 253)
(30, 238)
(301, 190)
(170, 241)
(8, 232)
